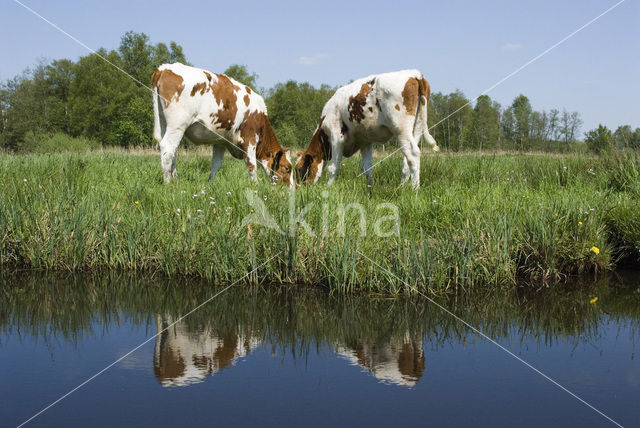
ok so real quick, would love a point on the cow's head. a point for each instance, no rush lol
(281, 168)
(308, 167)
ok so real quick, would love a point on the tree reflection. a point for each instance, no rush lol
(384, 336)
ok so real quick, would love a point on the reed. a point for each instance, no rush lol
(479, 220)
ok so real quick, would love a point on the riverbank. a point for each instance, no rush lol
(478, 220)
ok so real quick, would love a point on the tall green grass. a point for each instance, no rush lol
(477, 221)
(39, 142)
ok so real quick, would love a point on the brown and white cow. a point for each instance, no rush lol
(214, 109)
(184, 356)
(397, 360)
(367, 111)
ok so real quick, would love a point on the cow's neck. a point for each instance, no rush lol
(319, 147)
(268, 144)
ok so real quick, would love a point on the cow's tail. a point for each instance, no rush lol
(421, 129)
(157, 128)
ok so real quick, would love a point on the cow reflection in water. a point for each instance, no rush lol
(397, 360)
(183, 357)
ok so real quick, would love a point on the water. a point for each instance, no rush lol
(283, 356)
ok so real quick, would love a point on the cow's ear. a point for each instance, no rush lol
(276, 161)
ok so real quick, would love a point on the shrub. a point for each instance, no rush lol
(599, 140)
(36, 142)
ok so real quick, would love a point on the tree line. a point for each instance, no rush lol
(89, 102)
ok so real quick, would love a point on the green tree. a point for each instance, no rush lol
(635, 140)
(538, 126)
(521, 108)
(140, 58)
(4, 108)
(569, 126)
(136, 55)
(162, 54)
(105, 103)
(508, 125)
(30, 105)
(624, 137)
(89, 98)
(450, 117)
(599, 140)
(242, 75)
(109, 106)
(59, 76)
(553, 125)
(177, 54)
(294, 110)
(484, 129)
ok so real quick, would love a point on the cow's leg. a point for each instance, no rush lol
(334, 164)
(406, 172)
(174, 173)
(411, 151)
(168, 146)
(217, 154)
(366, 161)
(251, 161)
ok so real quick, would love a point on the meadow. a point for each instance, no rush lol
(479, 220)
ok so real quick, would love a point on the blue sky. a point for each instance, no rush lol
(467, 45)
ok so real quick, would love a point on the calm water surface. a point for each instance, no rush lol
(281, 356)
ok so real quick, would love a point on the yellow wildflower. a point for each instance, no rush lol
(580, 223)
(137, 202)
(592, 301)
(595, 250)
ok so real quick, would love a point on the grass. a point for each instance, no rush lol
(479, 220)
(37, 142)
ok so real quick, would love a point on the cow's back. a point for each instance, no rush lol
(369, 101)
(216, 101)
(372, 108)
